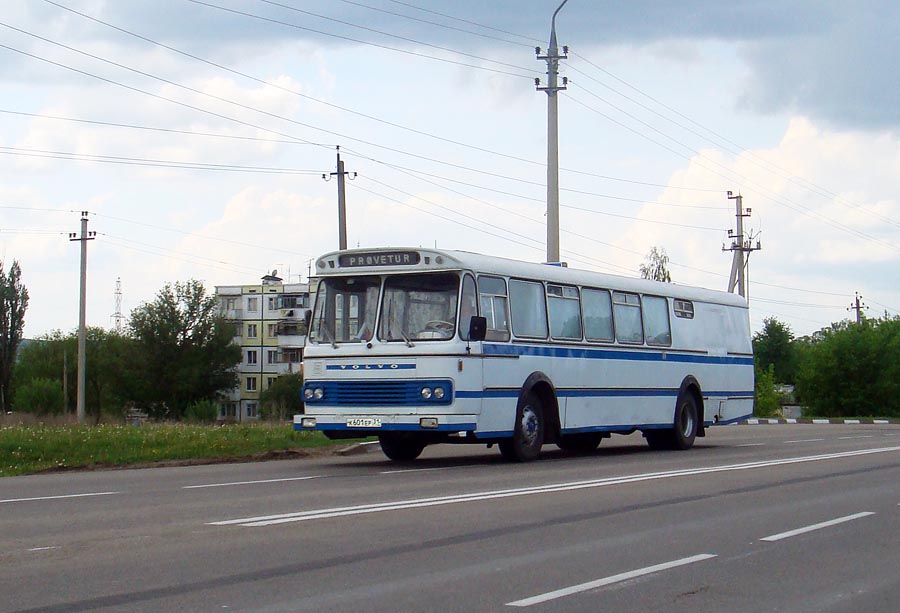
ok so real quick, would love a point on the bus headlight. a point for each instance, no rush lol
(308, 394)
(426, 393)
(318, 393)
(438, 393)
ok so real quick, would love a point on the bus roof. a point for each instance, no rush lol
(394, 260)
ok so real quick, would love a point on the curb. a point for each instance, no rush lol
(765, 420)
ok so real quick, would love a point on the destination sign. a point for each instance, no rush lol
(382, 258)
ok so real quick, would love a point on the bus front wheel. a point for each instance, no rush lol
(401, 446)
(528, 435)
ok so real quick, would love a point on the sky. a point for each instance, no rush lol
(196, 135)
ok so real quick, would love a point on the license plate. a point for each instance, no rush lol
(363, 422)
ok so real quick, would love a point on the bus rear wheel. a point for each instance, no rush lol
(401, 446)
(528, 436)
(681, 436)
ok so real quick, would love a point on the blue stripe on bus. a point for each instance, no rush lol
(392, 427)
(600, 393)
(608, 354)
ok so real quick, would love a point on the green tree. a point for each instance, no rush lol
(283, 398)
(40, 396)
(182, 351)
(656, 266)
(13, 304)
(774, 346)
(853, 370)
(54, 356)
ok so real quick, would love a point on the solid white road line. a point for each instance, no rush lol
(824, 524)
(59, 497)
(195, 487)
(419, 470)
(268, 520)
(805, 440)
(590, 585)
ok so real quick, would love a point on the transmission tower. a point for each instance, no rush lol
(118, 318)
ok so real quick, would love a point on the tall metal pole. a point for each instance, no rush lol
(552, 58)
(84, 238)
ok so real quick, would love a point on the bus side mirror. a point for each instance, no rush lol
(307, 317)
(477, 328)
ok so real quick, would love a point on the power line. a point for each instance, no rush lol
(462, 20)
(760, 162)
(364, 42)
(771, 195)
(358, 113)
(156, 163)
(437, 24)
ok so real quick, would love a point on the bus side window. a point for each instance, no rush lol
(494, 308)
(598, 324)
(528, 308)
(468, 306)
(565, 312)
(656, 321)
(627, 311)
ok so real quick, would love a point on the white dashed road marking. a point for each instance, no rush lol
(824, 524)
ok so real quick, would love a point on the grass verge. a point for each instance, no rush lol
(30, 449)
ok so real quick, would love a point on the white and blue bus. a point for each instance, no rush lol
(423, 346)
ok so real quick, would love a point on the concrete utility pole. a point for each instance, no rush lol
(84, 238)
(342, 200)
(739, 247)
(552, 58)
(859, 306)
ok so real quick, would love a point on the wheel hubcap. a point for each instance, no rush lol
(530, 425)
(687, 422)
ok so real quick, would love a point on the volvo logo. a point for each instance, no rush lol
(376, 366)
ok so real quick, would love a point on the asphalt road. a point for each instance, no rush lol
(754, 518)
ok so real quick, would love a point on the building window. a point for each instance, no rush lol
(251, 330)
(272, 330)
(292, 355)
(253, 304)
(251, 384)
(227, 409)
(238, 330)
(252, 409)
(269, 382)
(272, 356)
(251, 357)
(272, 303)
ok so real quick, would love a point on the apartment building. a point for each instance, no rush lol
(270, 328)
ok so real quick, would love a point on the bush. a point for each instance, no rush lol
(41, 396)
(767, 401)
(202, 411)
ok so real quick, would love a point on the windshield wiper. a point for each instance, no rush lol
(403, 334)
(330, 336)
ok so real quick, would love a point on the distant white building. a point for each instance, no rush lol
(270, 327)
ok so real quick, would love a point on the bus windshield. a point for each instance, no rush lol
(345, 310)
(419, 307)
